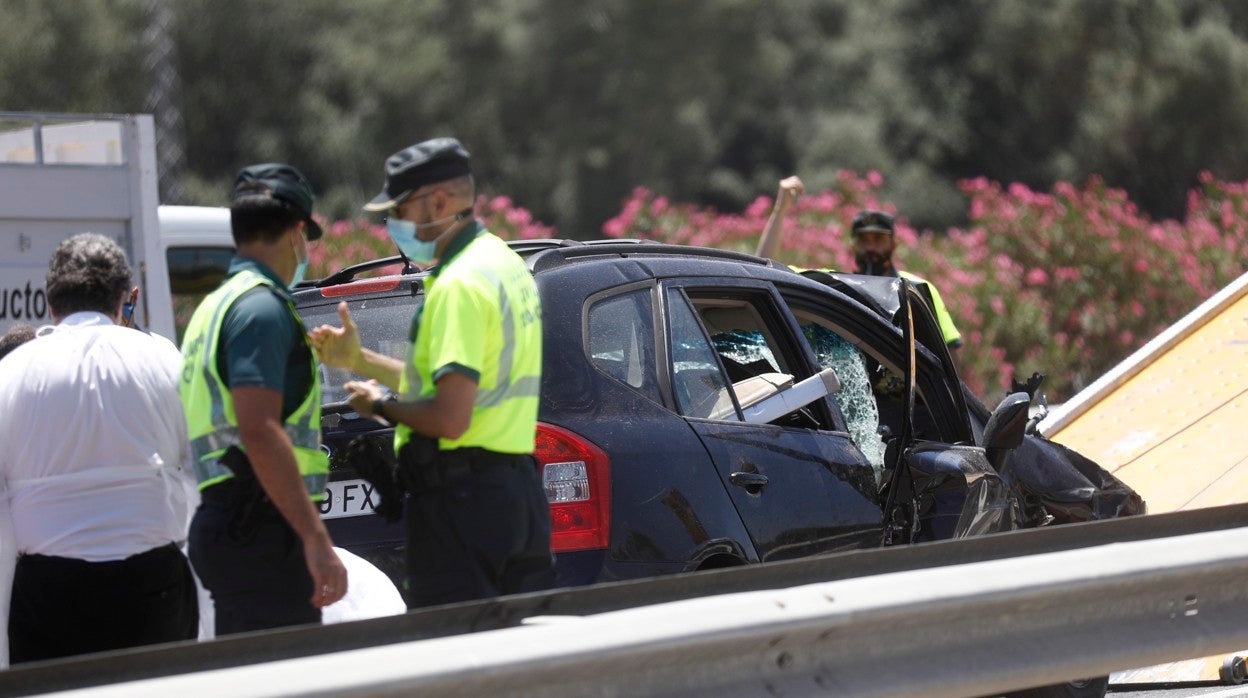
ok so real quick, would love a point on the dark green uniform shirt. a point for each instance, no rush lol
(262, 345)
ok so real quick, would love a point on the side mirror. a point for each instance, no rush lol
(1005, 428)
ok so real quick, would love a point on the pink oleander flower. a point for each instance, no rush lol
(519, 216)
(500, 203)
(614, 228)
(759, 208)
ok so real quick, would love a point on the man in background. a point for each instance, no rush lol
(95, 462)
(874, 241)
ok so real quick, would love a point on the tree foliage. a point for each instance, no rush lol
(1066, 282)
(675, 120)
(567, 106)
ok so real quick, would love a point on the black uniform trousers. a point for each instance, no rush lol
(250, 560)
(478, 526)
(63, 607)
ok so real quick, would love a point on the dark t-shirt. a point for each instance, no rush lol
(263, 344)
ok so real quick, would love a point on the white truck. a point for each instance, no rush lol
(62, 174)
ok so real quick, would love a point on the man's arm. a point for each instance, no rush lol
(272, 459)
(949, 332)
(790, 189)
(447, 414)
(340, 347)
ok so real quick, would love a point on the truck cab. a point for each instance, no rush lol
(195, 246)
(62, 174)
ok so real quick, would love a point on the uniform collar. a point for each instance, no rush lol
(458, 243)
(240, 263)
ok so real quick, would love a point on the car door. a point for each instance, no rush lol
(799, 483)
(950, 489)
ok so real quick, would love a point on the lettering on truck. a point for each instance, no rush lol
(24, 302)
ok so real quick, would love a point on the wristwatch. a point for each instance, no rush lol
(379, 405)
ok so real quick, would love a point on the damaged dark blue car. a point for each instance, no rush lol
(703, 409)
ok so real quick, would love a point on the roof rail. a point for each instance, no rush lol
(562, 251)
(348, 274)
(629, 247)
(524, 248)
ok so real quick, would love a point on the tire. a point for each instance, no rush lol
(1082, 688)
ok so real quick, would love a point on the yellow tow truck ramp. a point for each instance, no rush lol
(1171, 421)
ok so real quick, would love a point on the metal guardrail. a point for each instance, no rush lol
(958, 618)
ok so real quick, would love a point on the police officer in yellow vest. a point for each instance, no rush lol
(252, 397)
(874, 242)
(478, 522)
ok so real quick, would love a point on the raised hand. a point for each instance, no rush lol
(790, 189)
(338, 346)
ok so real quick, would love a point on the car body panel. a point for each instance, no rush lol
(651, 354)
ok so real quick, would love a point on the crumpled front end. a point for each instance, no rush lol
(1059, 485)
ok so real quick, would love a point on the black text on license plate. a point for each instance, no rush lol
(347, 498)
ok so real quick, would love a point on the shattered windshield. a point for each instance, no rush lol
(855, 398)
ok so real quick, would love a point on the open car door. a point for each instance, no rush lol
(944, 488)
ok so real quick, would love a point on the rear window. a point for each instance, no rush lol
(621, 341)
(384, 324)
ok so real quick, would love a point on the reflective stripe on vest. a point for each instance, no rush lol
(948, 331)
(213, 426)
(507, 386)
(528, 386)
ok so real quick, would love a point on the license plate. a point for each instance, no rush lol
(348, 498)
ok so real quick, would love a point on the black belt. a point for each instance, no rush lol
(159, 551)
(453, 466)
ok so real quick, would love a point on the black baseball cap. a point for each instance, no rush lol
(870, 221)
(282, 182)
(429, 162)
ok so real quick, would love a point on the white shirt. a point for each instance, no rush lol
(93, 449)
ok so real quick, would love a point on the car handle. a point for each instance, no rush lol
(750, 481)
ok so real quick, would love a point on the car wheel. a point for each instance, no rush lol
(1082, 688)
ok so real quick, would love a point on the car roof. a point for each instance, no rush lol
(546, 254)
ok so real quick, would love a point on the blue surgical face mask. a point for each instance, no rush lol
(404, 235)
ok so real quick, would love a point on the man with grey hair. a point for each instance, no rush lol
(95, 463)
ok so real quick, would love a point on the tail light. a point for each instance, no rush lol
(577, 478)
